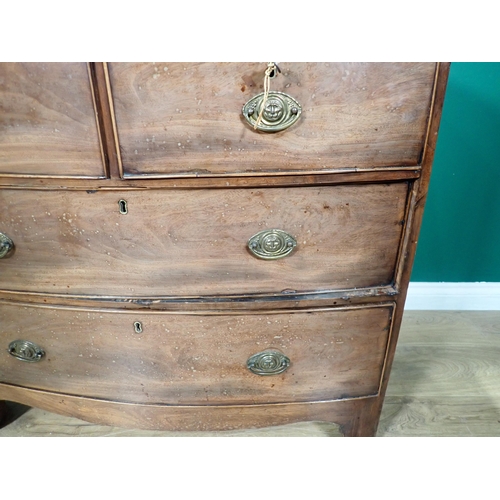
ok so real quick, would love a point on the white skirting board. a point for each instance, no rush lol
(453, 296)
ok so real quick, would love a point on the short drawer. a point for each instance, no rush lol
(48, 121)
(171, 243)
(198, 359)
(182, 119)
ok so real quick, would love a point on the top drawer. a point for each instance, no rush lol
(181, 119)
(47, 121)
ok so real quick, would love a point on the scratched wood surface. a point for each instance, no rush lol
(445, 382)
(185, 118)
(364, 117)
(194, 243)
(186, 359)
(47, 120)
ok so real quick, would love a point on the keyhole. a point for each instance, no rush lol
(138, 327)
(274, 72)
(122, 204)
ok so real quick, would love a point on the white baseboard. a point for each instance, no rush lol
(453, 296)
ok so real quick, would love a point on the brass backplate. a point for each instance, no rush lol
(268, 363)
(6, 246)
(271, 244)
(280, 111)
(24, 350)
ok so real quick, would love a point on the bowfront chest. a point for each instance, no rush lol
(210, 246)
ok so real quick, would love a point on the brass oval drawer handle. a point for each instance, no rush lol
(25, 350)
(6, 246)
(271, 244)
(280, 112)
(268, 363)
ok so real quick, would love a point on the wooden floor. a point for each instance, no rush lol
(445, 382)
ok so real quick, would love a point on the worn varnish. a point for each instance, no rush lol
(185, 243)
(185, 119)
(445, 382)
(139, 284)
(198, 359)
(47, 121)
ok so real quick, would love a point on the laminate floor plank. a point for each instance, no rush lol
(445, 381)
(445, 378)
(433, 417)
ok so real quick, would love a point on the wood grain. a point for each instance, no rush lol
(184, 243)
(178, 119)
(47, 121)
(445, 378)
(185, 359)
(427, 395)
(349, 415)
(415, 212)
(310, 178)
(34, 422)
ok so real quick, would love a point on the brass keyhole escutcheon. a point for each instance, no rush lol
(123, 207)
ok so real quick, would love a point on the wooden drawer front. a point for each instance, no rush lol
(190, 243)
(198, 359)
(177, 119)
(47, 120)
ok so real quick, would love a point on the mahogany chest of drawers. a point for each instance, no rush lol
(210, 246)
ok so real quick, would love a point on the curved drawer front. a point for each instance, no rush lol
(198, 359)
(195, 242)
(176, 119)
(47, 121)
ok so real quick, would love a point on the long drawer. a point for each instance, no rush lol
(191, 359)
(146, 243)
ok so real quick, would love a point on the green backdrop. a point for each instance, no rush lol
(460, 235)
